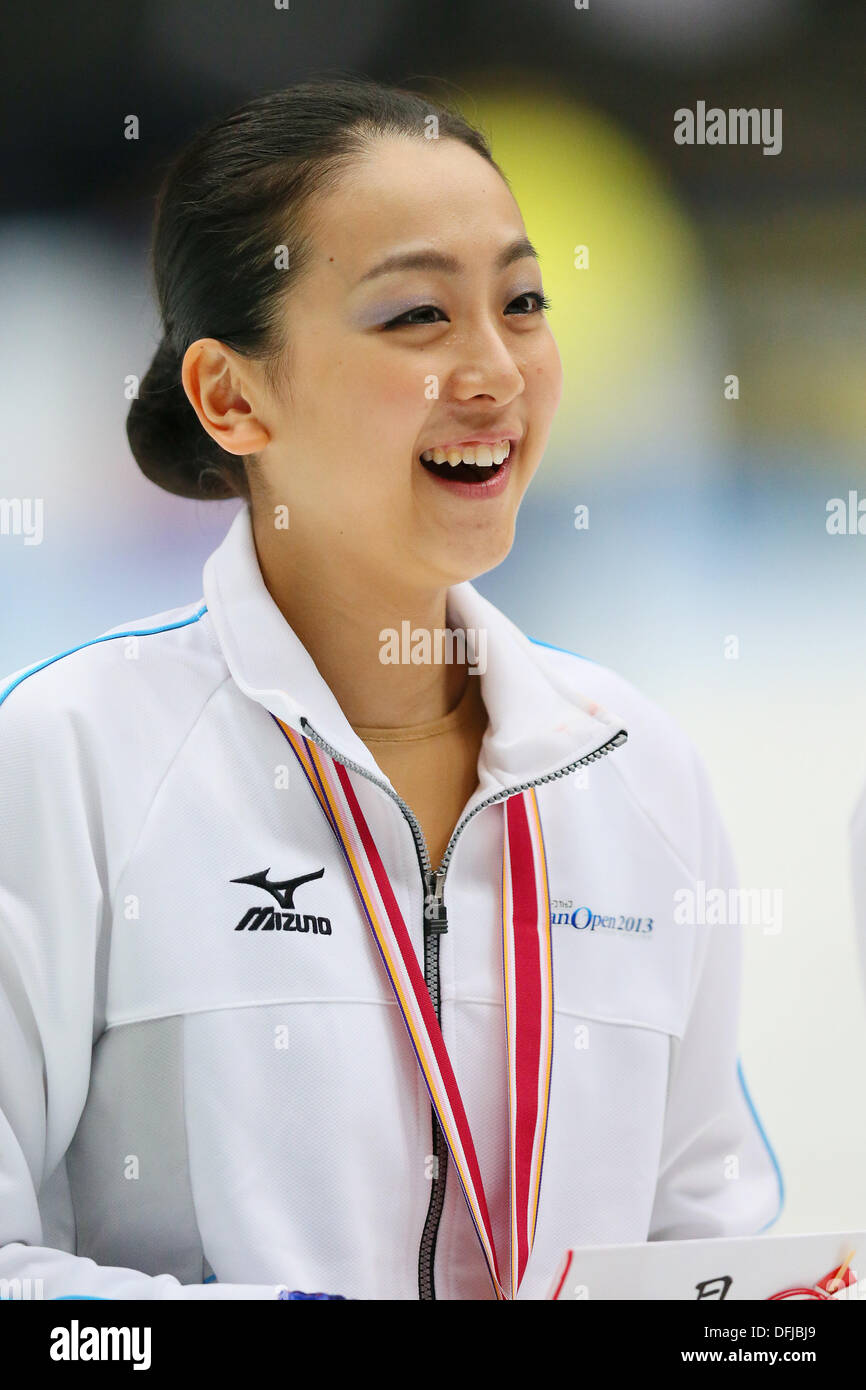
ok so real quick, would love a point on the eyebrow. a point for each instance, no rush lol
(438, 260)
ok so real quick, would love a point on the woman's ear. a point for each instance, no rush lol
(221, 389)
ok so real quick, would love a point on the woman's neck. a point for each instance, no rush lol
(340, 620)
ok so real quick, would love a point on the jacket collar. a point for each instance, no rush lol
(537, 722)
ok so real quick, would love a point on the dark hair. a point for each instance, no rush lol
(233, 195)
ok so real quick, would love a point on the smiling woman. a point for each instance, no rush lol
(422, 328)
(452, 1084)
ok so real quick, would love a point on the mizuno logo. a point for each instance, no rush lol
(284, 892)
(268, 919)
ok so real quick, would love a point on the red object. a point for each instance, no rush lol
(819, 1290)
(568, 1259)
(848, 1278)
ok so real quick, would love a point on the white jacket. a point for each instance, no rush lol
(857, 850)
(184, 1101)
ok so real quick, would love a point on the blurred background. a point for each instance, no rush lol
(707, 499)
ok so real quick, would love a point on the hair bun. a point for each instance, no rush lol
(166, 437)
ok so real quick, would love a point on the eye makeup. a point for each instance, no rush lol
(375, 315)
(383, 311)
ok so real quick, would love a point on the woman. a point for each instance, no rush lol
(332, 904)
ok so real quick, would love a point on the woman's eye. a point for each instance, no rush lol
(411, 316)
(537, 300)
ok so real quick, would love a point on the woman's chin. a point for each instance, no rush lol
(479, 554)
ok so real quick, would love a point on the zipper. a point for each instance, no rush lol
(435, 924)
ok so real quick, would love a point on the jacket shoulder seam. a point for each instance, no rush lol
(156, 790)
(691, 873)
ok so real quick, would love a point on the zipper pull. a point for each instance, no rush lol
(435, 917)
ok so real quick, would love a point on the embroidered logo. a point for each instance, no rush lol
(269, 919)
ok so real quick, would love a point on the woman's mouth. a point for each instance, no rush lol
(470, 468)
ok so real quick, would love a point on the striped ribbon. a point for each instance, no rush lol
(528, 990)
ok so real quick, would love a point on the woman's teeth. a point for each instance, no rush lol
(482, 455)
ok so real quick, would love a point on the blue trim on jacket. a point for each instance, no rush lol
(767, 1145)
(108, 637)
(538, 643)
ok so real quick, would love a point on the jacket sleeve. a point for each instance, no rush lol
(718, 1175)
(52, 906)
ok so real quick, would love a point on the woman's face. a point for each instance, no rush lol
(415, 327)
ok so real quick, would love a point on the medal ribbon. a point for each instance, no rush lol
(528, 991)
